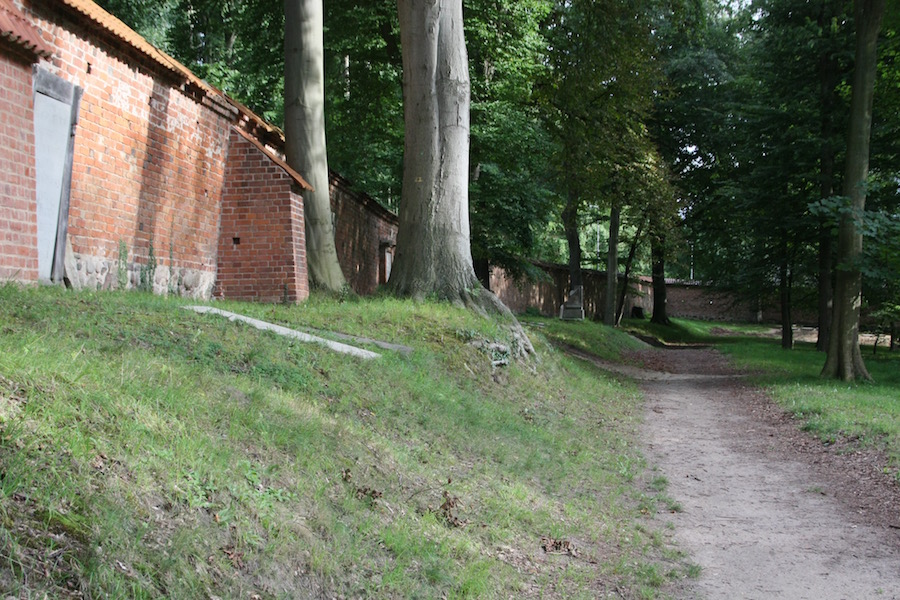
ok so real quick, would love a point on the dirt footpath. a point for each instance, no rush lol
(768, 512)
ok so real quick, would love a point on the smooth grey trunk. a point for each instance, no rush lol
(826, 287)
(612, 266)
(304, 132)
(573, 239)
(434, 255)
(844, 359)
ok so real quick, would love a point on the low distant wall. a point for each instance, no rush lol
(364, 236)
(687, 300)
(546, 296)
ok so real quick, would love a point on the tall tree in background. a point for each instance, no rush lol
(363, 71)
(304, 132)
(844, 359)
(434, 256)
(595, 98)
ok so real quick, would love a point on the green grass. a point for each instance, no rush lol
(864, 414)
(685, 331)
(150, 452)
(599, 340)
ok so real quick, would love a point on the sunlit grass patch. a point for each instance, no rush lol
(172, 454)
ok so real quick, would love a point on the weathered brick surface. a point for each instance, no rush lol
(148, 164)
(18, 216)
(158, 164)
(262, 248)
(364, 233)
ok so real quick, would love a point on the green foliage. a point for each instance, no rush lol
(122, 266)
(147, 274)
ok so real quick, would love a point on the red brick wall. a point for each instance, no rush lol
(18, 208)
(364, 232)
(262, 247)
(693, 301)
(148, 164)
(548, 295)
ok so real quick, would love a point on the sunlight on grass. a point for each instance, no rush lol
(154, 452)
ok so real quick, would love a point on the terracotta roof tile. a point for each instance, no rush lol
(119, 30)
(248, 123)
(15, 28)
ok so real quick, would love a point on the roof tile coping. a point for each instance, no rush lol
(253, 123)
(15, 28)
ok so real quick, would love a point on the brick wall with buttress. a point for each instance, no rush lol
(262, 247)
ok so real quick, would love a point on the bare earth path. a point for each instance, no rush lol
(767, 511)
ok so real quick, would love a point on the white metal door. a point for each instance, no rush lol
(55, 114)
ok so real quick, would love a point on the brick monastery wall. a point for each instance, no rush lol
(364, 233)
(548, 295)
(684, 300)
(148, 166)
(18, 209)
(262, 247)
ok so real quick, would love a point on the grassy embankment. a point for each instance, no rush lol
(864, 413)
(147, 451)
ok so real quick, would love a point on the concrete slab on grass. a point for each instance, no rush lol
(291, 333)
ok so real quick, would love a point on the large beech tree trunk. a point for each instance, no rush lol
(434, 256)
(844, 357)
(304, 132)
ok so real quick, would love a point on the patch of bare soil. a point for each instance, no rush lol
(768, 511)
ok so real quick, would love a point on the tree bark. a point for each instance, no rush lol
(844, 359)
(573, 239)
(828, 81)
(304, 132)
(826, 288)
(612, 266)
(434, 256)
(658, 259)
(629, 262)
(784, 286)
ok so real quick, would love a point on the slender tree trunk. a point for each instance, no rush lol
(612, 266)
(844, 359)
(658, 259)
(784, 286)
(629, 262)
(826, 289)
(434, 256)
(304, 132)
(828, 80)
(573, 240)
